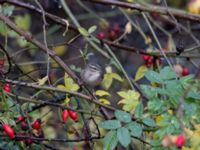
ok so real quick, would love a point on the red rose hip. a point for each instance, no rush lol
(36, 124)
(9, 131)
(73, 115)
(65, 115)
(180, 140)
(185, 72)
(101, 35)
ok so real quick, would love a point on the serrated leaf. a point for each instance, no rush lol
(130, 100)
(110, 140)
(104, 101)
(153, 76)
(140, 72)
(194, 95)
(123, 116)
(123, 136)
(139, 110)
(135, 128)
(83, 31)
(110, 124)
(167, 73)
(92, 29)
(102, 93)
(150, 122)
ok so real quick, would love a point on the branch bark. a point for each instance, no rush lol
(150, 8)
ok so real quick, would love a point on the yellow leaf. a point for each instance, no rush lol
(107, 81)
(70, 84)
(104, 101)
(61, 87)
(102, 93)
(123, 101)
(23, 22)
(60, 50)
(140, 72)
(43, 80)
(116, 76)
(122, 94)
(130, 100)
(128, 28)
(108, 78)
(67, 99)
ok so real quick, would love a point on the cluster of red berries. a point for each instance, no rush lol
(112, 34)
(149, 60)
(36, 125)
(69, 113)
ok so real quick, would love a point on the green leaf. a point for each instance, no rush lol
(8, 10)
(150, 122)
(139, 110)
(167, 73)
(110, 140)
(153, 76)
(83, 31)
(110, 124)
(135, 128)
(123, 136)
(185, 80)
(92, 29)
(194, 95)
(123, 116)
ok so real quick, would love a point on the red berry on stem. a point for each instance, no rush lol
(185, 72)
(149, 61)
(20, 118)
(6, 87)
(36, 124)
(28, 141)
(73, 115)
(116, 28)
(101, 35)
(24, 125)
(65, 115)
(112, 35)
(146, 57)
(180, 140)
(9, 131)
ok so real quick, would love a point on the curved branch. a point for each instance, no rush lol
(150, 8)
